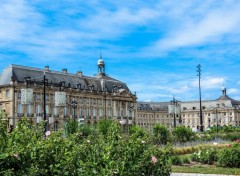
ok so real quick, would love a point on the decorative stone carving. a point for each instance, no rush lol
(27, 96)
(60, 98)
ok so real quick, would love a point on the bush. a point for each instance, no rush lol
(205, 156)
(176, 160)
(186, 160)
(183, 134)
(161, 134)
(83, 151)
(229, 157)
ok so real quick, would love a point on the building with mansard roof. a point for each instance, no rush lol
(222, 111)
(87, 98)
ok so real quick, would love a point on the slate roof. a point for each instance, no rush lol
(225, 97)
(153, 106)
(99, 82)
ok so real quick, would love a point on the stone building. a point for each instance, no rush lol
(152, 113)
(88, 99)
(219, 112)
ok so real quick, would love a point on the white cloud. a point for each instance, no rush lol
(208, 26)
(233, 91)
(210, 82)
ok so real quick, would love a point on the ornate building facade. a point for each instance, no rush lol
(87, 99)
(219, 112)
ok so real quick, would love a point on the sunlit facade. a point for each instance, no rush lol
(98, 97)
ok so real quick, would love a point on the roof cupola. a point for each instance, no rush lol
(101, 66)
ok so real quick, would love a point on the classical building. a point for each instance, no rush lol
(219, 112)
(25, 90)
(222, 111)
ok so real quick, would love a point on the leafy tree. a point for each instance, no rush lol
(161, 134)
(183, 134)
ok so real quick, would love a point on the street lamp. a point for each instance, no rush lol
(27, 98)
(174, 109)
(74, 105)
(217, 116)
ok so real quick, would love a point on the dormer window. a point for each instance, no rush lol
(194, 108)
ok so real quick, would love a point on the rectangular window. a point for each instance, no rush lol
(109, 113)
(47, 109)
(100, 113)
(109, 102)
(7, 93)
(20, 108)
(88, 112)
(38, 97)
(81, 112)
(38, 109)
(87, 100)
(29, 109)
(47, 97)
(56, 111)
(100, 101)
(65, 111)
(19, 95)
(80, 100)
(94, 101)
(94, 112)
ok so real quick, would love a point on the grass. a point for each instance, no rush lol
(206, 170)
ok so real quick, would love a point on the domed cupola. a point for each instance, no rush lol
(101, 66)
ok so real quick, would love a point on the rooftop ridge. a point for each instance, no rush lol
(43, 70)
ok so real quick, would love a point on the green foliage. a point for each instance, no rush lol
(205, 156)
(70, 127)
(161, 134)
(229, 157)
(186, 160)
(183, 134)
(176, 160)
(223, 129)
(83, 150)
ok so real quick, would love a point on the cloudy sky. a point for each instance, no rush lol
(153, 46)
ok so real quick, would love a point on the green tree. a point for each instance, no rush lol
(183, 134)
(161, 134)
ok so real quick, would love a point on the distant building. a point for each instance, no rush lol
(152, 113)
(87, 98)
(219, 112)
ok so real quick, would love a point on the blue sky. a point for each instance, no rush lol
(153, 46)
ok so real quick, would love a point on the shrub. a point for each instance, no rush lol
(229, 157)
(186, 160)
(176, 160)
(183, 134)
(161, 134)
(83, 151)
(205, 156)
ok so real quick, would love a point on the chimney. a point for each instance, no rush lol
(64, 70)
(47, 68)
(79, 73)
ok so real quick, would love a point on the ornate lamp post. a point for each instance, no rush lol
(175, 110)
(74, 105)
